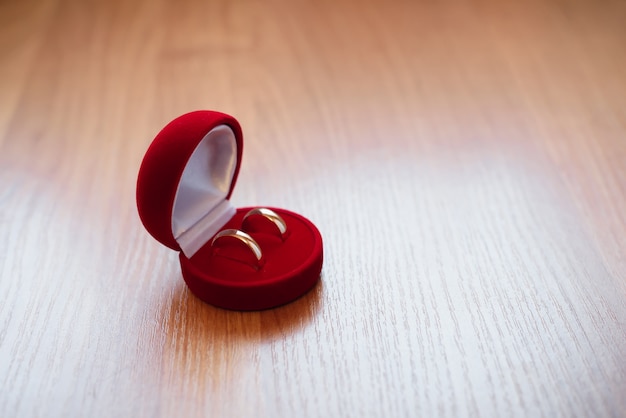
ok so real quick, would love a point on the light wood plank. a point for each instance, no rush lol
(464, 161)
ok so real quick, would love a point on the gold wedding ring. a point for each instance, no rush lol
(244, 238)
(271, 216)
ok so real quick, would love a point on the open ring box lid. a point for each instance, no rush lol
(183, 196)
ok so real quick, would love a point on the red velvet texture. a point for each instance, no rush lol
(225, 275)
(163, 165)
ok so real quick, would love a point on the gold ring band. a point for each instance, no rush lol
(272, 216)
(243, 237)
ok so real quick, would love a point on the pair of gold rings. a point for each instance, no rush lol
(268, 215)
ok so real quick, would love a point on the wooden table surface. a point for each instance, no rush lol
(464, 161)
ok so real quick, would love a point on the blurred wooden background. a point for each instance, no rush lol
(465, 162)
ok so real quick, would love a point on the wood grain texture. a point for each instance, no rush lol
(465, 162)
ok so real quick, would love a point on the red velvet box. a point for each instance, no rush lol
(183, 196)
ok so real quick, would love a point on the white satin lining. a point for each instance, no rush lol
(200, 205)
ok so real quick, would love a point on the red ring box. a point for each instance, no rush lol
(183, 196)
